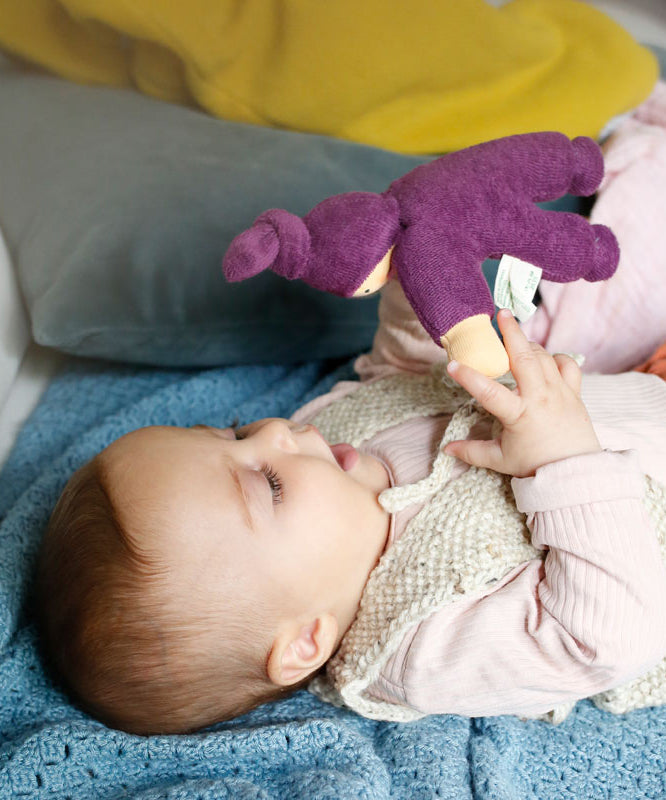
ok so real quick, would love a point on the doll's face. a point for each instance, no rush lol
(377, 278)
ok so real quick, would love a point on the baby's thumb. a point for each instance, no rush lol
(478, 453)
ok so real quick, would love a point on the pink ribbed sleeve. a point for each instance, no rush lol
(604, 580)
(585, 619)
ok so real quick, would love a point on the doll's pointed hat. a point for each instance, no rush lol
(278, 240)
(333, 248)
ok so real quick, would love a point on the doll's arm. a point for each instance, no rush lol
(446, 287)
(586, 618)
(402, 343)
(474, 342)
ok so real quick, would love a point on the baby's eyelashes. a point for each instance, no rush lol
(274, 482)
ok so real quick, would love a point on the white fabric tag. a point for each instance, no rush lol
(515, 286)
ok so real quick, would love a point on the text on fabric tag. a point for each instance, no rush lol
(515, 285)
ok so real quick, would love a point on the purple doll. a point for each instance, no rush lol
(435, 226)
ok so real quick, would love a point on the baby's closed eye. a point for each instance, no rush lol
(274, 482)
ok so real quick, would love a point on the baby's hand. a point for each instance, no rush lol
(543, 418)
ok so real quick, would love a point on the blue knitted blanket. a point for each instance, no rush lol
(299, 747)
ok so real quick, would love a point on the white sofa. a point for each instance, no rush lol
(25, 367)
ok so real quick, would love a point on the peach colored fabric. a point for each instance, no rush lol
(656, 364)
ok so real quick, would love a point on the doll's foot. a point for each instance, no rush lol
(588, 166)
(474, 342)
(606, 254)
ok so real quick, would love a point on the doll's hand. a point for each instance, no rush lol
(475, 343)
(544, 418)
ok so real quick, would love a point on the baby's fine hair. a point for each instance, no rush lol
(128, 656)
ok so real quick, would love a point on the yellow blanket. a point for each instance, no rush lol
(417, 76)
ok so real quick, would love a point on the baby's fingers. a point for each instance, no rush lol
(525, 360)
(570, 371)
(493, 396)
(478, 453)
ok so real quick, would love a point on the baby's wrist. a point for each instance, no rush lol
(587, 478)
(581, 451)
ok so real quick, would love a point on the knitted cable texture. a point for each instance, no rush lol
(467, 535)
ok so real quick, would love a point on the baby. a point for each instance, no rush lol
(188, 575)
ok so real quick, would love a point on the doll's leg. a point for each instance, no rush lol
(618, 323)
(566, 246)
(547, 165)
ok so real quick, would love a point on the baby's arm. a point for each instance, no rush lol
(586, 618)
(401, 344)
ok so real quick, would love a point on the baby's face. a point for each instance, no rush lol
(268, 505)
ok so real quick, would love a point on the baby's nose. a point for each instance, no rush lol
(281, 434)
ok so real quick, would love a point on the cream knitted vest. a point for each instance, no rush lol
(437, 561)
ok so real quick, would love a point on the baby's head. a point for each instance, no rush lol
(190, 574)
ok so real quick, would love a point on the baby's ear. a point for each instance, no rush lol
(301, 649)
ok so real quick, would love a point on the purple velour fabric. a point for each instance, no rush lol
(444, 219)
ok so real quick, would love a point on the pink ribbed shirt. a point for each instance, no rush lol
(588, 617)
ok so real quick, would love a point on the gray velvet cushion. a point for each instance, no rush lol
(117, 211)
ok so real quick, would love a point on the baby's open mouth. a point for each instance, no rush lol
(346, 455)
